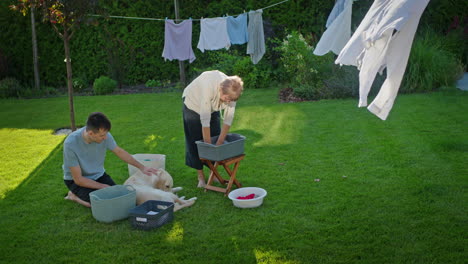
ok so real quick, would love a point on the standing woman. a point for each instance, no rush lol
(204, 98)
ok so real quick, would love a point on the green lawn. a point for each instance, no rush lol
(388, 191)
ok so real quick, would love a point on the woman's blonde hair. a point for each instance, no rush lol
(232, 86)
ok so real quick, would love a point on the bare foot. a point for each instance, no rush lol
(201, 183)
(201, 179)
(72, 197)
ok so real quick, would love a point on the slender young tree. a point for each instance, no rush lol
(64, 16)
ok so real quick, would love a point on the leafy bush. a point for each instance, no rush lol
(306, 71)
(104, 85)
(233, 63)
(430, 65)
(9, 87)
(152, 83)
(79, 84)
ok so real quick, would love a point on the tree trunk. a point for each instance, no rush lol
(34, 48)
(66, 44)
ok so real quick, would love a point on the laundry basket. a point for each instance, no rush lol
(157, 161)
(151, 214)
(112, 203)
(232, 146)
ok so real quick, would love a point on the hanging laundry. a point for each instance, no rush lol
(237, 29)
(336, 11)
(213, 34)
(338, 31)
(256, 44)
(383, 40)
(178, 41)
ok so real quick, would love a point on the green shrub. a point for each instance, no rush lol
(305, 70)
(152, 83)
(49, 90)
(79, 84)
(232, 63)
(9, 87)
(431, 64)
(104, 85)
(45, 91)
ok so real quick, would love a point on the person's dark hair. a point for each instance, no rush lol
(97, 121)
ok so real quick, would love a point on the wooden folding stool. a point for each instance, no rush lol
(232, 173)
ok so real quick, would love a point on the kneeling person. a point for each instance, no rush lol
(84, 153)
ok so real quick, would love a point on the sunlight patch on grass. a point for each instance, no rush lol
(176, 234)
(275, 126)
(270, 256)
(22, 151)
(151, 141)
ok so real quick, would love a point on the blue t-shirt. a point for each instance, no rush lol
(90, 157)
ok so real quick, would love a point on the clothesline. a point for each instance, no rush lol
(163, 19)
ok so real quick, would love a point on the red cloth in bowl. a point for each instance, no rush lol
(247, 197)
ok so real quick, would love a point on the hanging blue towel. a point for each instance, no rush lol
(237, 29)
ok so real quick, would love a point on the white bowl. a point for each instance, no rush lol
(250, 203)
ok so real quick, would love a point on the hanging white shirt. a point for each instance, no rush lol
(338, 31)
(383, 40)
(336, 11)
(213, 34)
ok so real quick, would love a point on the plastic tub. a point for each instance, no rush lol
(112, 203)
(233, 146)
(250, 203)
(157, 161)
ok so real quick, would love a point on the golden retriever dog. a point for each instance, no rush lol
(157, 187)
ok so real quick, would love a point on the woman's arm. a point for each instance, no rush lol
(222, 136)
(206, 134)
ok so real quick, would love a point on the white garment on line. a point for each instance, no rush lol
(338, 32)
(213, 34)
(178, 41)
(256, 44)
(383, 40)
(336, 11)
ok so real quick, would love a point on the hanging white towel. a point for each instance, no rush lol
(338, 32)
(178, 41)
(213, 34)
(383, 40)
(256, 44)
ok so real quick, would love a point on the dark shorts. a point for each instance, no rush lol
(193, 132)
(83, 192)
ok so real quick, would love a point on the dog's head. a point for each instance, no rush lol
(164, 181)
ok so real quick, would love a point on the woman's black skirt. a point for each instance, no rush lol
(193, 132)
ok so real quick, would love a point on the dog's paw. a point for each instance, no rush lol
(177, 189)
(192, 199)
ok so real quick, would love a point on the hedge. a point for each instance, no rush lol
(129, 51)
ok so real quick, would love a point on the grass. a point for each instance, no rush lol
(388, 192)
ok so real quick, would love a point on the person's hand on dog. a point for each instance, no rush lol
(149, 171)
